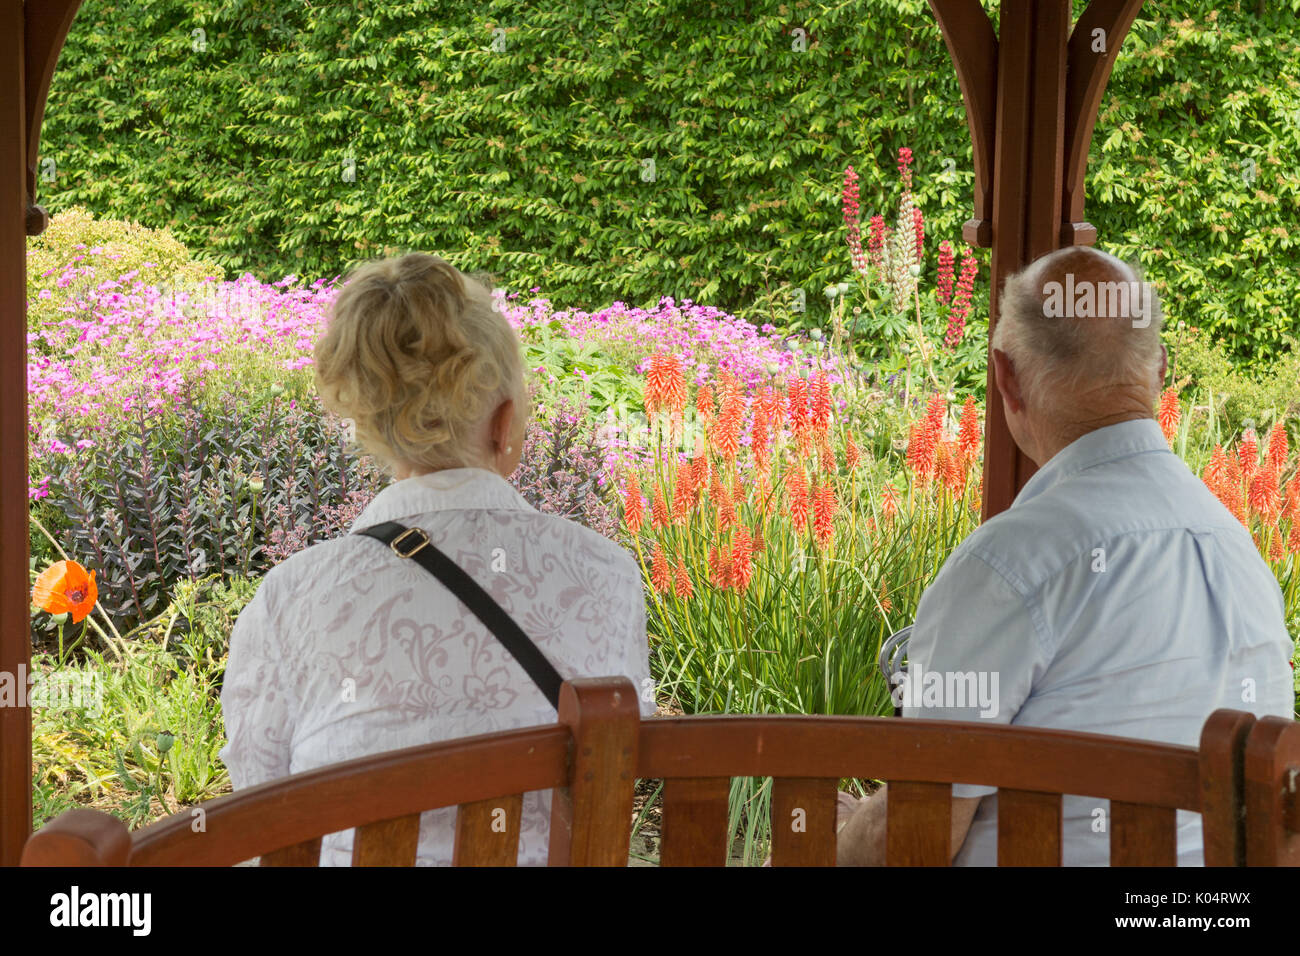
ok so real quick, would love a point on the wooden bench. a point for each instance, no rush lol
(1242, 780)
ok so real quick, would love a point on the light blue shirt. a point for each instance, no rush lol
(1115, 596)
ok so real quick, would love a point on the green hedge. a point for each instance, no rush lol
(281, 137)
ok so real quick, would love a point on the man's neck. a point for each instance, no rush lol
(1067, 433)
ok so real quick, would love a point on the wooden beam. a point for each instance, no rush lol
(973, 46)
(31, 37)
(15, 597)
(45, 31)
(1092, 56)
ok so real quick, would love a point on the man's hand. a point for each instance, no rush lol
(862, 841)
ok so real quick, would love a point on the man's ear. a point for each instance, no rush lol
(1004, 373)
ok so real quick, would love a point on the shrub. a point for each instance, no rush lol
(77, 253)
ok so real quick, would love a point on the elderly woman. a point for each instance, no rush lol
(348, 649)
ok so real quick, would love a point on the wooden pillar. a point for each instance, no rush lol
(1031, 97)
(15, 651)
(31, 36)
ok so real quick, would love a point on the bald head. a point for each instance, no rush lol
(1080, 332)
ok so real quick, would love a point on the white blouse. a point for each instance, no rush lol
(348, 650)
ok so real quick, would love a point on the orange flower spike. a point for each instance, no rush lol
(1293, 539)
(797, 400)
(742, 568)
(1276, 551)
(936, 410)
(759, 542)
(1277, 447)
(1291, 501)
(824, 514)
(852, 457)
(1264, 497)
(660, 575)
(775, 409)
(633, 504)
(704, 407)
(820, 404)
(968, 432)
(886, 605)
(682, 582)
(949, 468)
(1248, 454)
(796, 486)
(659, 519)
(682, 493)
(1169, 414)
(1215, 470)
(65, 587)
(758, 435)
(826, 453)
(922, 444)
(888, 501)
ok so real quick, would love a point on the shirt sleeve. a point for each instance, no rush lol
(975, 650)
(258, 695)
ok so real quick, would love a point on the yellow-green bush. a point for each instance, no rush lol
(76, 241)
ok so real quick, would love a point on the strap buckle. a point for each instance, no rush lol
(406, 554)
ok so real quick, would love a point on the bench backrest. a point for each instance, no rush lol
(1242, 779)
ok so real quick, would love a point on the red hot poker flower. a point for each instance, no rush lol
(1169, 413)
(968, 431)
(633, 505)
(1277, 447)
(661, 577)
(1248, 454)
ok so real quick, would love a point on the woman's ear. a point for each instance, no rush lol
(502, 427)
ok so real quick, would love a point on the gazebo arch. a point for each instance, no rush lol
(1031, 96)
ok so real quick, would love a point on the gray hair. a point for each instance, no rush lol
(1059, 345)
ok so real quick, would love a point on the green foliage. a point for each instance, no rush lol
(516, 138)
(1237, 396)
(107, 755)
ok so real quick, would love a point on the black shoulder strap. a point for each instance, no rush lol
(414, 543)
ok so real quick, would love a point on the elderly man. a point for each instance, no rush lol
(1116, 595)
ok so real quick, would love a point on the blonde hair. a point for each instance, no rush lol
(418, 356)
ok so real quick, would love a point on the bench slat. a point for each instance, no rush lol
(918, 824)
(1029, 828)
(694, 827)
(387, 843)
(487, 832)
(803, 821)
(306, 853)
(1143, 836)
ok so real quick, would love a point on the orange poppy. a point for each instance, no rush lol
(66, 586)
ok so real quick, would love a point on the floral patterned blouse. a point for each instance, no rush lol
(347, 650)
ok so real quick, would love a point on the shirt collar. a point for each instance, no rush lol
(452, 489)
(1095, 448)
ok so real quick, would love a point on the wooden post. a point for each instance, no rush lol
(31, 36)
(591, 819)
(1032, 96)
(15, 596)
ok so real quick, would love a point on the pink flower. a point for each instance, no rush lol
(961, 301)
(945, 271)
